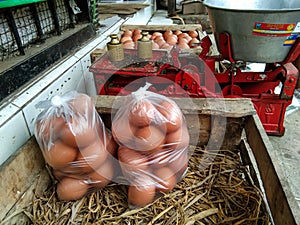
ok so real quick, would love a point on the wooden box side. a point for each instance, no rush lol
(21, 176)
(283, 206)
(172, 27)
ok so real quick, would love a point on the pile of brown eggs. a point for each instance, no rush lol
(153, 143)
(78, 148)
(162, 40)
(148, 143)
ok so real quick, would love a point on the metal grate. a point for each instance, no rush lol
(6, 38)
(46, 19)
(21, 26)
(25, 25)
(63, 14)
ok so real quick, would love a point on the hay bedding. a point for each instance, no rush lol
(219, 194)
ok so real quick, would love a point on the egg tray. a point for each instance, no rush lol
(163, 28)
(221, 193)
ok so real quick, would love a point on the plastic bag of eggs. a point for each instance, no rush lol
(76, 145)
(153, 145)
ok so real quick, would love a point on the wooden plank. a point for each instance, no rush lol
(18, 174)
(254, 176)
(172, 27)
(210, 122)
(16, 214)
(120, 8)
(227, 107)
(282, 203)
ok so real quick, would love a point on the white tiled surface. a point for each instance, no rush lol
(45, 80)
(6, 111)
(13, 134)
(70, 80)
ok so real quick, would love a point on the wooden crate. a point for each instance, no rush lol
(25, 173)
(160, 28)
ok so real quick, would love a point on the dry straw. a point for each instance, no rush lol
(221, 193)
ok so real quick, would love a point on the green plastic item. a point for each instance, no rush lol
(12, 3)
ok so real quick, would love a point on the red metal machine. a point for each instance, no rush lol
(260, 86)
(176, 73)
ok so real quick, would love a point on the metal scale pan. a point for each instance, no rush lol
(260, 30)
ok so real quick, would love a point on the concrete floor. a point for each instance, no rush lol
(287, 147)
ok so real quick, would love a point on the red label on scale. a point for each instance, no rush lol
(273, 29)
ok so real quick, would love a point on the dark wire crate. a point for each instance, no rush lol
(22, 26)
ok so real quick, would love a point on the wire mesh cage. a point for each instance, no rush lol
(23, 25)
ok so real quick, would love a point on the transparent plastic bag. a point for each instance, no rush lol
(75, 144)
(153, 144)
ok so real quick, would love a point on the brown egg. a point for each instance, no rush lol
(159, 38)
(178, 139)
(82, 103)
(136, 31)
(156, 34)
(78, 132)
(189, 38)
(194, 43)
(142, 113)
(182, 35)
(47, 129)
(129, 44)
(166, 46)
(91, 157)
(183, 45)
(165, 179)
(161, 43)
(125, 38)
(167, 33)
(132, 163)
(179, 162)
(111, 145)
(123, 132)
(69, 189)
(161, 157)
(193, 33)
(172, 115)
(182, 40)
(172, 39)
(136, 37)
(60, 155)
(148, 138)
(59, 175)
(127, 33)
(177, 32)
(140, 196)
(102, 175)
(155, 45)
